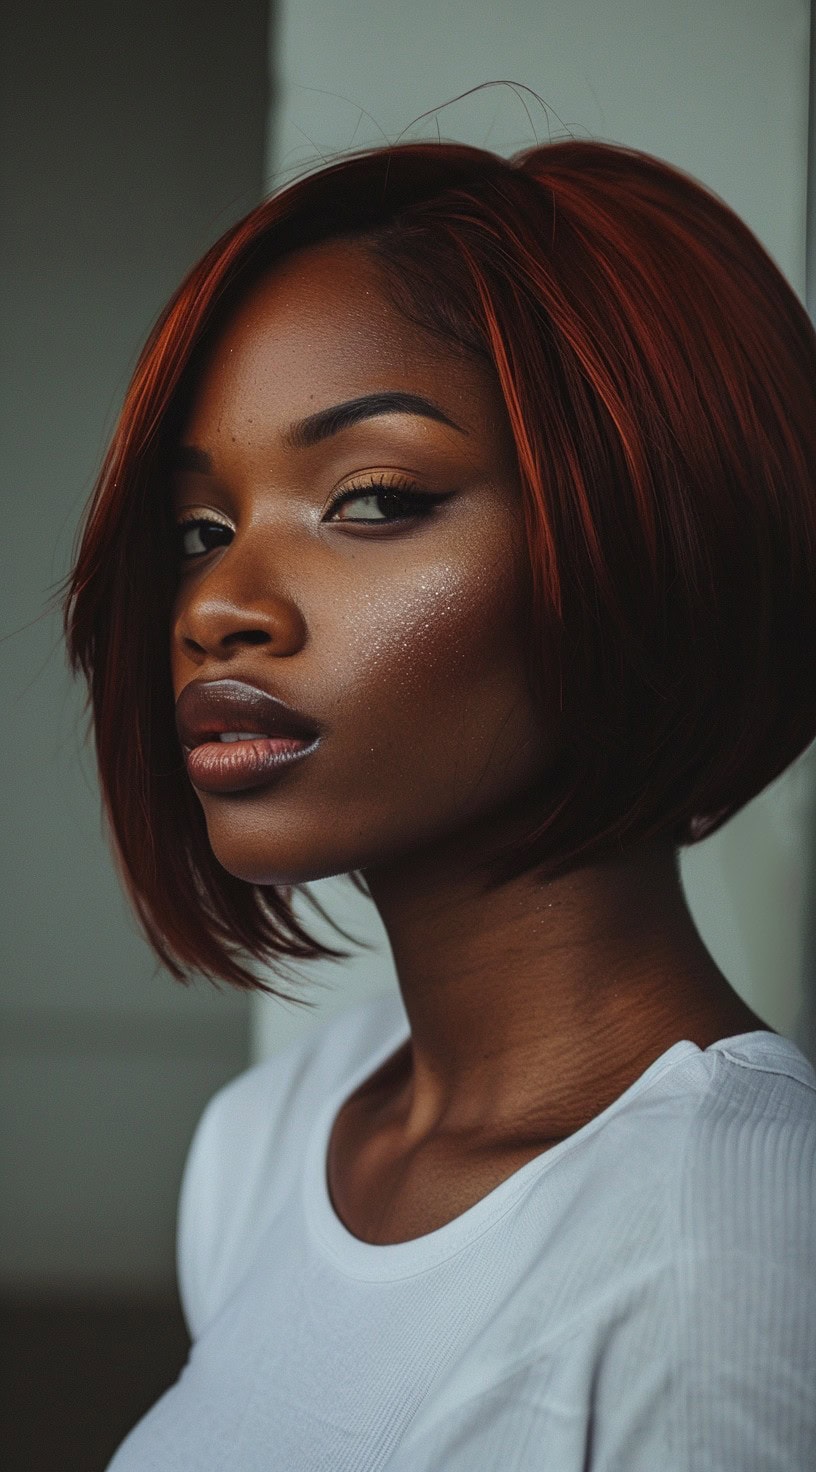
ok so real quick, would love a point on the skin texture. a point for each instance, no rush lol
(531, 1009)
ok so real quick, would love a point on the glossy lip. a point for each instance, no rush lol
(205, 708)
(240, 766)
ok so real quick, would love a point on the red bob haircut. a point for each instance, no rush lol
(659, 375)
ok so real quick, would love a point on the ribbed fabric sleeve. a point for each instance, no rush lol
(720, 1376)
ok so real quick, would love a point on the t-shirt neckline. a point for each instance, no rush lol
(380, 1262)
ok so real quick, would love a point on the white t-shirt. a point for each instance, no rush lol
(639, 1298)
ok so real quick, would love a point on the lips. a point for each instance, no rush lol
(206, 708)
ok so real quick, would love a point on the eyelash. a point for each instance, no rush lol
(403, 491)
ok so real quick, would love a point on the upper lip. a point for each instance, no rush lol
(208, 707)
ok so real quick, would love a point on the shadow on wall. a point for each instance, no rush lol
(768, 862)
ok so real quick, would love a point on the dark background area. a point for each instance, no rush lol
(77, 1375)
(131, 136)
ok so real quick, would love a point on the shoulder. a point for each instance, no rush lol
(247, 1145)
(747, 1174)
(722, 1326)
(245, 1108)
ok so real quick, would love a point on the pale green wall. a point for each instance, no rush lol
(720, 89)
(132, 134)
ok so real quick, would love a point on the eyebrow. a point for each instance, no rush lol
(316, 427)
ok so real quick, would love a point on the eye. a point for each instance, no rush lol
(403, 495)
(402, 499)
(188, 524)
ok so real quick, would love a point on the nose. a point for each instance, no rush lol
(215, 630)
(212, 620)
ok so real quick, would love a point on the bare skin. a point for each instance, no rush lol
(533, 1008)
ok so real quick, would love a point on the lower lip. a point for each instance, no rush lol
(236, 766)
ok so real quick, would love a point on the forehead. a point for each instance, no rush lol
(320, 328)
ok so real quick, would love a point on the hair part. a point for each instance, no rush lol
(658, 374)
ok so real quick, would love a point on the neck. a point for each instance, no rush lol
(528, 1004)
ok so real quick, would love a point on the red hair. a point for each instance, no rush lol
(658, 373)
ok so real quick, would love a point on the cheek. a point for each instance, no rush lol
(414, 658)
(415, 663)
(435, 670)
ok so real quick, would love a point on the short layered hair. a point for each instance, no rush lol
(659, 377)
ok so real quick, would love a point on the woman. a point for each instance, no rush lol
(473, 500)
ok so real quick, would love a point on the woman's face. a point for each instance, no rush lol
(402, 636)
